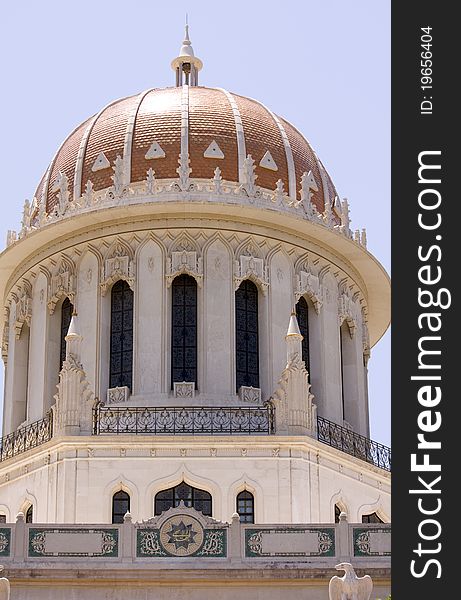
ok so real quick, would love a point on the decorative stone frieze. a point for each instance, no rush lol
(117, 395)
(23, 300)
(186, 262)
(62, 283)
(346, 311)
(119, 264)
(184, 389)
(308, 283)
(250, 395)
(250, 267)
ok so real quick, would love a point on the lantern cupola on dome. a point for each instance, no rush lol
(186, 65)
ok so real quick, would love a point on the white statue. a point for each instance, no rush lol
(4, 587)
(349, 587)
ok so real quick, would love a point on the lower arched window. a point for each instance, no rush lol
(29, 514)
(372, 518)
(184, 330)
(302, 315)
(246, 335)
(337, 513)
(246, 507)
(192, 497)
(121, 335)
(120, 506)
(66, 315)
(2, 518)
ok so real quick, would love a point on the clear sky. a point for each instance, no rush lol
(324, 66)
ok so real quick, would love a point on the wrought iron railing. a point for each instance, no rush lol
(184, 421)
(353, 443)
(27, 437)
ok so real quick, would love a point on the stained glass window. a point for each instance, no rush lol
(302, 314)
(184, 330)
(120, 506)
(246, 507)
(66, 315)
(371, 518)
(192, 497)
(246, 335)
(121, 335)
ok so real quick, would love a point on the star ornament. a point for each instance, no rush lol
(182, 536)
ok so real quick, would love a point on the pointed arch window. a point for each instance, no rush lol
(246, 507)
(302, 315)
(120, 506)
(29, 514)
(246, 335)
(66, 315)
(121, 335)
(372, 518)
(337, 513)
(192, 497)
(184, 330)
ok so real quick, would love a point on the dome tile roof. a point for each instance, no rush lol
(185, 119)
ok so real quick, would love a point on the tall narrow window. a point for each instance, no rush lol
(184, 330)
(337, 513)
(121, 335)
(30, 514)
(66, 315)
(302, 314)
(246, 507)
(2, 518)
(120, 506)
(246, 335)
(192, 497)
(341, 357)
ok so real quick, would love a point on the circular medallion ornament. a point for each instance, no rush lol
(181, 535)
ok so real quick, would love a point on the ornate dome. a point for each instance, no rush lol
(215, 128)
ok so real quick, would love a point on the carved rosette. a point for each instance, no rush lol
(184, 262)
(249, 267)
(62, 284)
(118, 265)
(309, 285)
(346, 312)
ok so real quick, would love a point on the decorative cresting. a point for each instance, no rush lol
(356, 445)
(184, 259)
(26, 438)
(62, 284)
(23, 307)
(74, 400)
(295, 409)
(181, 532)
(250, 265)
(308, 283)
(118, 264)
(177, 420)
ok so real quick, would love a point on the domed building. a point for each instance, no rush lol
(188, 319)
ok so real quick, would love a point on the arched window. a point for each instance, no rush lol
(29, 514)
(192, 497)
(302, 314)
(246, 507)
(246, 335)
(121, 335)
(371, 518)
(184, 330)
(337, 513)
(2, 518)
(66, 315)
(120, 506)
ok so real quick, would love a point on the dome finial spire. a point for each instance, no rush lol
(186, 65)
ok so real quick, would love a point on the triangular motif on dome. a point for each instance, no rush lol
(267, 162)
(155, 151)
(100, 163)
(213, 151)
